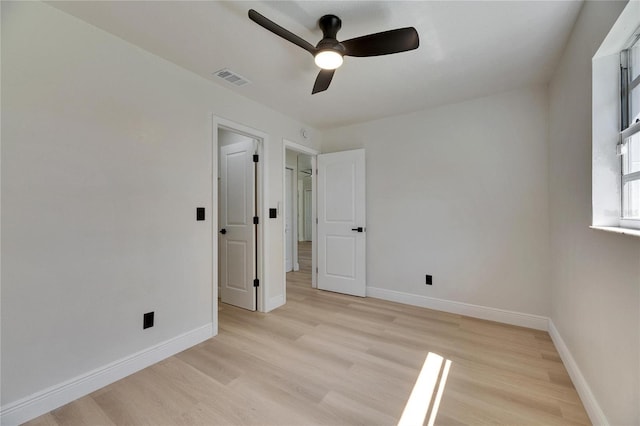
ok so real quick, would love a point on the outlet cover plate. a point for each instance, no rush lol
(147, 320)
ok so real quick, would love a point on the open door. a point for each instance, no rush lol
(237, 238)
(341, 222)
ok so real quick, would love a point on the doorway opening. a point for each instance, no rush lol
(338, 219)
(300, 214)
(238, 243)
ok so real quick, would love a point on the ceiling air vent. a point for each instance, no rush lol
(231, 77)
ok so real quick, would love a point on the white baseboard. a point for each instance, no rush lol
(42, 402)
(51, 398)
(274, 302)
(493, 314)
(596, 415)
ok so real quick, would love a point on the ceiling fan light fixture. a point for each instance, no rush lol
(329, 51)
(328, 59)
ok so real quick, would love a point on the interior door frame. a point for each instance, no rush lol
(313, 153)
(261, 192)
(294, 220)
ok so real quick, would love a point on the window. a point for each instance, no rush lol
(615, 102)
(631, 178)
(629, 142)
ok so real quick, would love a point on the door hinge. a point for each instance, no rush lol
(256, 283)
(256, 220)
(255, 158)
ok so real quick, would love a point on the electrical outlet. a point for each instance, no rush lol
(429, 280)
(147, 320)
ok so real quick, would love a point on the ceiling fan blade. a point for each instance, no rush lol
(322, 81)
(384, 43)
(278, 30)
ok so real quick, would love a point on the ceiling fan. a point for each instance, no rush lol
(329, 51)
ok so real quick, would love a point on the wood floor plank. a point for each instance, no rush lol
(353, 412)
(85, 411)
(45, 420)
(330, 359)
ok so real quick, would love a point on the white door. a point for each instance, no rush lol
(288, 223)
(237, 233)
(341, 222)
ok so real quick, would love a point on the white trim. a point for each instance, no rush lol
(618, 230)
(483, 312)
(42, 402)
(596, 415)
(294, 217)
(314, 223)
(263, 210)
(299, 148)
(275, 302)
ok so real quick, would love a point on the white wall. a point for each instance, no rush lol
(106, 153)
(595, 276)
(459, 192)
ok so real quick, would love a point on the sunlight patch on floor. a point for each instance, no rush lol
(434, 373)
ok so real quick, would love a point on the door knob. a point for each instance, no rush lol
(223, 231)
(358, 229)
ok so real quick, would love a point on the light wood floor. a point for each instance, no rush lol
(326, 358)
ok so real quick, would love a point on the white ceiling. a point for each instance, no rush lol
(467, 49)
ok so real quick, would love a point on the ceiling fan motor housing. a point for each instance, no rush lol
(330, 25)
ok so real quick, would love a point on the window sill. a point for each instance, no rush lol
(618, 230)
